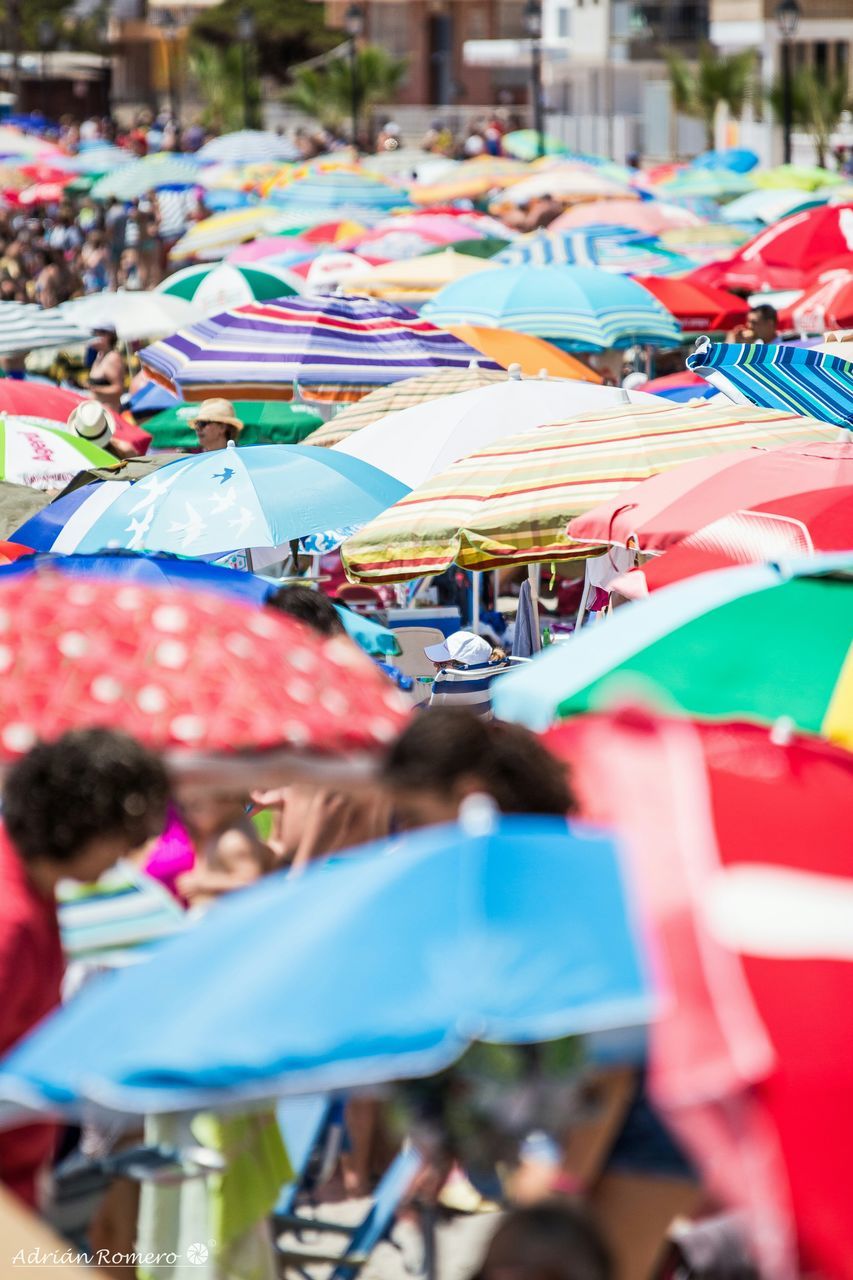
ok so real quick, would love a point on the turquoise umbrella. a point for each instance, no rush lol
(130, 181)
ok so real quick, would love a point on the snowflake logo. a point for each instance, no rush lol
(198, 1254)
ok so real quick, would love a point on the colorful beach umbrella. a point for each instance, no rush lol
(651, 216)
(697, 308)
(618, 249)
(511, 503)
(334, 348)
(408, 164)
(779, 376)
(264, 422)
(131, 181)
(219, 287)
(136, 315)
(769, 205)
(533, 356)
(35, 452)
(567, 182)
(785, 255)
(801, 176)
(414, 280)
(825, 305)
(25, 327)
(527, 144)
(578, 308)
(470, 180)
(322, 196)
(680, 387)
(212, 238)
(710, 646)
(655, 514)
(247, 146)
(715, 184)
(737, 159)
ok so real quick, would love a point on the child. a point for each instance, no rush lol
(229, 851)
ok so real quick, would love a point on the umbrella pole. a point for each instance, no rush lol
(475, 602)
(534, 574)
(584, 596)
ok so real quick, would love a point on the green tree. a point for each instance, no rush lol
(326, 92)
(219, 73)
(287, 33)
(698, 88)
(817, 105)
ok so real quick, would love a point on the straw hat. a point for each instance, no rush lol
(91, 422)
(217, 410)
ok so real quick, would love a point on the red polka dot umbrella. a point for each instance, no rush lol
(206, 680)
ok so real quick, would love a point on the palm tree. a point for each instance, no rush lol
(817, 104)
(698, 88)
(326, 92)
(218, 72)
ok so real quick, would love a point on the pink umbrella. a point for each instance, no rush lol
(266, 247)
(653, 216)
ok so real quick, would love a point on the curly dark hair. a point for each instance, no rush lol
(552, 1240)
(444, 744)
(88, 784)
(310, 607)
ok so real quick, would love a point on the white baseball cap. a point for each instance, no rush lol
(91, 421)
(462, 646)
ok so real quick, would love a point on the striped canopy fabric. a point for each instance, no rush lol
(212, 287)
(130, 181)
(618, 249)
(334, 348)
(511, 503)
(248, 146)
(339, 194)
(212, 238)
(26, 327)
(578, 308)
(795, 379)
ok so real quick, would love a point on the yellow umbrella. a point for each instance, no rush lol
(472, 179)
(413, 280)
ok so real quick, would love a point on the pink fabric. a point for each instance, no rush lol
(172, 855)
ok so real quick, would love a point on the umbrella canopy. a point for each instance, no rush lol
(519, 933)
(44, 192)
(39, 399)
(402, 395)
(783, 256)
(413, 280)
(511, 503)
(338, 194)
(737, 159)
(260, 497)
(406, 164)
(710, 645)
(534, 356)
(778, 376)
(414, 444)
(798, 176)
(651, 216)
(212, 238)
(470, 180)
(612, 248)
(264, 422)
(715, 184)
(769, 206)
(697, 308)
(95, 161)
(423, 230)
(800, 524)
(131, 181)
(61, 525)
(567, 182)
(653, 515)
(26, 327)
(136, 316)
(250, 251)
(220, 287)
(527, 144)
(334, 348)
(827, 304)
(180, 672)
(247, 146)
(15, 143)
(580, 308)
(35, 452)
(680, 387)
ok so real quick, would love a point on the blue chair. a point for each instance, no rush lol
(304, 1123)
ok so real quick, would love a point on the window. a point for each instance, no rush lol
(821, 58)
(563, 22)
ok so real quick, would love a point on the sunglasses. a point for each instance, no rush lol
(200, 425)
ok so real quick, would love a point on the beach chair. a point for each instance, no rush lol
(363, 1237)
(412, 660)
(305, 1125)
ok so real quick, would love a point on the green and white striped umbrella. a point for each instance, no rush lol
(217, 288)
(35, 453)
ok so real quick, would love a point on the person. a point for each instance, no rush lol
(216, 424)
(229, 852)
(552, 1240)
(447, 754)
(310, 607)
(71, 808)
(761, 325)
(108, 372)
(466, 664)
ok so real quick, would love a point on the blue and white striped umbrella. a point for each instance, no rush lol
(577, 308)
(93, 160)
(779, 377)
(151, 173)
(338, 194)
(248, 146)
(618, 249)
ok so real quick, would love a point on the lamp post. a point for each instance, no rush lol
(46, 37)
(246, 35)
(787, 16)
(354, 24)
(533, 27)
(169, 27)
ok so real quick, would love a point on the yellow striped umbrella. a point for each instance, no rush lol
(511, 503)
(402, 395)
(414, 280)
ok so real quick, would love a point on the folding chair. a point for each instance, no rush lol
(304, 1123)
(364, 1236)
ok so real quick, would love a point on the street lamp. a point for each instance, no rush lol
(46, 37)
(246, 35)
(354, 24)
(787, 16)
(169, 26)
(533, 27)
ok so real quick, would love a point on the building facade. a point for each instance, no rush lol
(823, 40)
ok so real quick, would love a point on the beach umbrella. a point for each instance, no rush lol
(487, 247)
(470, 180)
(827, 304)
(334, 348)
(799, 524)
(264, 422)
(212, 238)
(136, 315)
(261, 497)
(43, 193)
(325, 271)
(416, 443)
(711, 242)
(579, 308)
(25, 327)
(422, 388)
(15, 143)
(432, 229)
(61, 525)
(41, 400)
(35, 452)
(413, 280)
(251, 251)
(737, 159)
(713, 184)
(655, 514)
(528, 144)
(651, 216)
(517, 931)
(769, 205)
(247, 146)
(532, 355)
(568, 182)
(697, 308)
(338, 194)
(224, 177)
(181, 673)
(94, 161)
(216, 288)
(511, 502)
(779, 376)
(150, 173)
(785, 255)
(617, 249)
(804, 177)
(406, 164)
(149, 397)
(680, 387)
(710, 646)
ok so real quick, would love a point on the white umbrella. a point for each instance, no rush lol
(248, 146)
(414, 444)
(562, 185)
(135, 316)
(26, 327)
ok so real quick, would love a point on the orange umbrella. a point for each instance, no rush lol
(533, 354)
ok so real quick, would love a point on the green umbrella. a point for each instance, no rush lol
(524, 144)
(485, 248)
(800, 177)
(759, 642)
(218, 286)
(265, 422)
